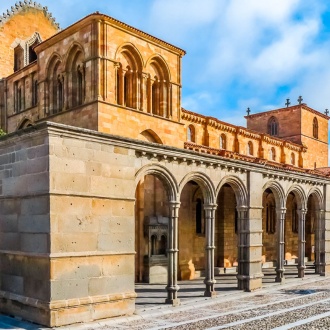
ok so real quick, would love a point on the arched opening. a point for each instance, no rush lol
(311, 224)
(18, 58)
(226, 232)
(151, 231)
(273, 127)
(269, 229)
(191, 232)
(25, 123)
(55, 80)
(32, 54)
(129, 89)
(291, 230)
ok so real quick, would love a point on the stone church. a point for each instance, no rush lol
(106, 181)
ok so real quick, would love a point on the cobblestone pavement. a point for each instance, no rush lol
(297, 304)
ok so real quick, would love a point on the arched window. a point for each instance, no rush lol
(18, 58)
(315, 128)
(272, 154)
(293, 159)
(191, 133)
(80, 87)
(223, 142)
(273, 126)
(155, 97)
(59, 94)
(250, 148)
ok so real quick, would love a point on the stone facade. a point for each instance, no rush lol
(106, 181)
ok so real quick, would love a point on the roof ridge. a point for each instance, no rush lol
(21, 5)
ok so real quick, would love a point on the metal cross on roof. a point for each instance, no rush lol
(300, 99)
(287, 103)
(248, 111)
(326, 112)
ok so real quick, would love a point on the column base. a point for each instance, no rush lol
(173, 302)
(280, 279)
(301, 272)
(250, 283)
(210, 294)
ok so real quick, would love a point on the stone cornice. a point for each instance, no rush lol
(21, 6)
(294, 107)
(198, 155)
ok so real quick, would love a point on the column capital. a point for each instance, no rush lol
(210, 206)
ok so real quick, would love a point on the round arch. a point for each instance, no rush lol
(239, 189)
(319, 197)
(300, 196)
(54, 60)
(160, 64)
(134, 55)
(25, 122)
(71, 55)
(164, 175)
(278, 192)
(151, 136)
(205, 184)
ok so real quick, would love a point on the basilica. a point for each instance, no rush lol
(106, 181)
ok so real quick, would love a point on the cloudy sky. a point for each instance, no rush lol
(240, 53)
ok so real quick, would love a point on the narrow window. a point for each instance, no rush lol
(294, 219)
(80, 86)
(59, 94)
(273, 126)
(155, 97)
(250, 148)
(34, 93)
(293, 159)
(223, 144)
(199, 217)
(191, 133)
(32, 53)
(270, 219)
(272, 154)
(315, 128)
(18, 58)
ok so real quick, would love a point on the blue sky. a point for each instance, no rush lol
(240, 53)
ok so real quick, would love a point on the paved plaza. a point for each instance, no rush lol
(296, 304)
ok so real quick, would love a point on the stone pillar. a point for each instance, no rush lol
(280, 213)
(249, 248)
(172, 251)
(319, 238)
(301, 243)
(325, 245)
(209, 250)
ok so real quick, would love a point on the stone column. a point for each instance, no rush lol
(319, 237)
(280, 213)
(172, 252)
(209, 250)
(242, 245)
(301, 243)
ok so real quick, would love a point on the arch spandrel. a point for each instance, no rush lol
(300, 195)
(238, 187)
(163, 174)
(205, 184)
(278, 191)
